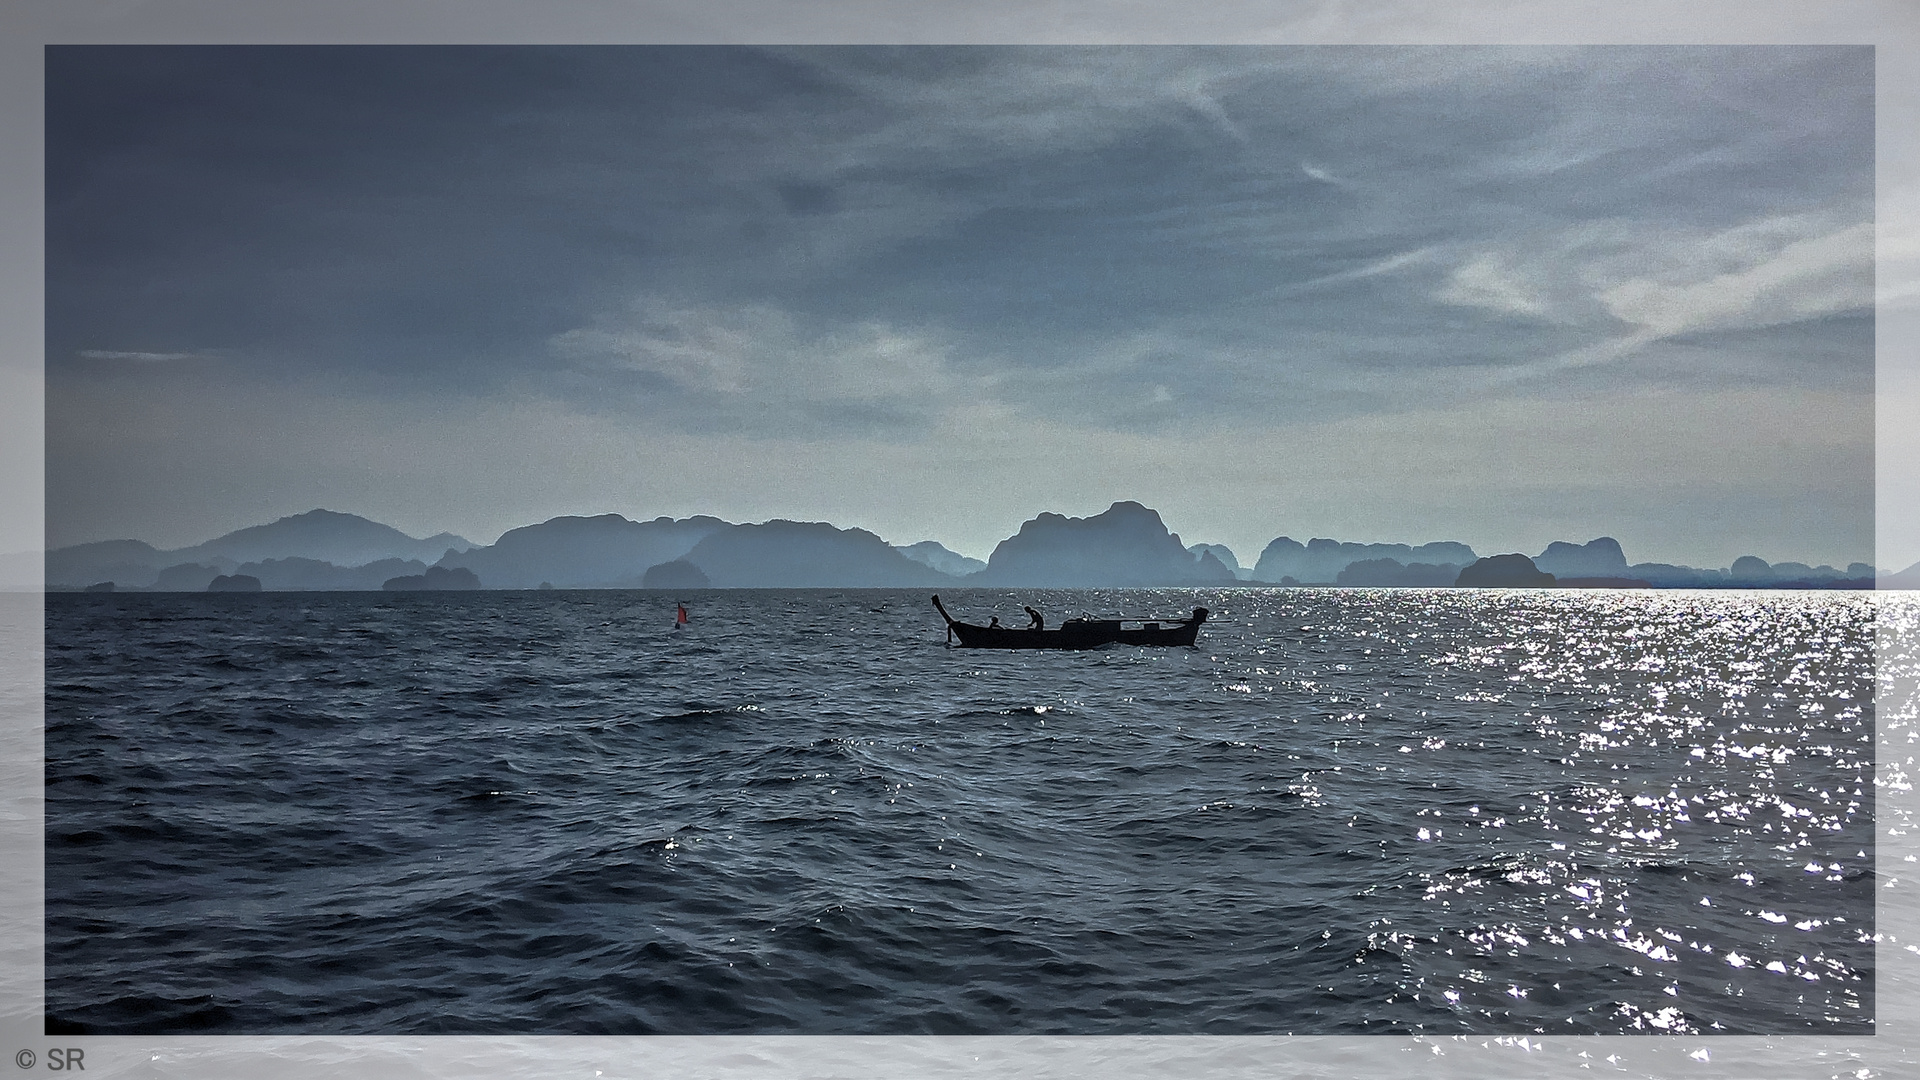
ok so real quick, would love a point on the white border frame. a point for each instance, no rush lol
(27, 26)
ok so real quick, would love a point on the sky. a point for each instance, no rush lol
(1502, 295)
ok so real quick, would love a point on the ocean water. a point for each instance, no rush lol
(1345, 812)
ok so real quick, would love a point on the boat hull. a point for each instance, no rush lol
(1075, 633)
(972, 636)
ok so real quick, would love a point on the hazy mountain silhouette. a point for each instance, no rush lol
(933, 554)
(290, 575)
(435, 579)
(1210, 568)
(1504, 572)
(323, 535)
(314, 575)
(1127, 545)
(1750, 571)
(1670, 576)
(342, 540)
(803, 555)
(1225, 554)
(123, 562)
(603, 552)
(1600, 558)
(1799, 571)
(678, 574)
(1319, 561)
(186, 577)
(1390, 573)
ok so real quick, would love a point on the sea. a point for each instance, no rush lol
(1345, 812)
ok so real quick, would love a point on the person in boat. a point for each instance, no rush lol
(1034, 621)
(995, 624)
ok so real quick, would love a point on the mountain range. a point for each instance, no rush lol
(1128, 545)
(341, 541)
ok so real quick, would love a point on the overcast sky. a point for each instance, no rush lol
(1498, 295)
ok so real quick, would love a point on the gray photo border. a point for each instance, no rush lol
(1892, 26)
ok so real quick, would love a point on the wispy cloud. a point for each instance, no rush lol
(1634, 283)
(1487, 281)
(758, 369)
(1773, 271)
(1318, 173)
(848, 244)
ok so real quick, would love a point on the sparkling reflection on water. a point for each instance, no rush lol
(1689, 847)
(1348, 811)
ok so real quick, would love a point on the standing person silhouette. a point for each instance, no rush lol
(1035, 621)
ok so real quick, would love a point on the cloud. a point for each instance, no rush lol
(757, 367)
(1487, 281)
(692, 350)
(1037, 205)
(1179, 246)
(1388, 265)
(982, 105)
(1763, 273)
(1628, 283)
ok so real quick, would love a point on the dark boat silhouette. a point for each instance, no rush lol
(1076, 633)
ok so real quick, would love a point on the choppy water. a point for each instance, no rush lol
(1348, 811)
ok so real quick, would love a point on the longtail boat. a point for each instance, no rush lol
(1076, 633)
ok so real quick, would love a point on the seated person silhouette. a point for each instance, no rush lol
(995, 624)
(1035, 622)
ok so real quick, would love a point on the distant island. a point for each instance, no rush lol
(1126, 546)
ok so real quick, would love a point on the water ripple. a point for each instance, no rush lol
(1347, 811)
